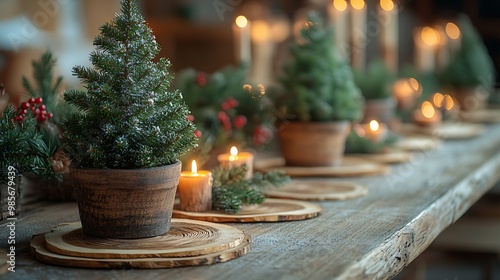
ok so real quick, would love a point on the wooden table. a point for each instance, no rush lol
(375, 236)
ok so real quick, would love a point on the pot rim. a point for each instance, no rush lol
(74, 166)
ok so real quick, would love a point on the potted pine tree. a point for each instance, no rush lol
(319, 99)
(470, 75)
(130, 130)
(375, 85)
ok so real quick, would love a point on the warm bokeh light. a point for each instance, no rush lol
(233, 151)
(260, 31)
(280, 30)
(340, 5)
(428, 110)
(414, 84)
(437, 99)
(358, 4)
(430, 36)
(241, 21)
(194, 167)
(452, 30)
(448, 102)
(387, 5)
(374, 125)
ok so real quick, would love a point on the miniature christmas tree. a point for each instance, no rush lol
(129, 117)
(319, 85)
(375, 83)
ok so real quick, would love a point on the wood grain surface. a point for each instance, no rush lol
(372, 237)
(185, 238)
(271, 210)
(350, 167)
(448, 130)
(389, 157)
(417, 143)
(318, 190)
(481, 116)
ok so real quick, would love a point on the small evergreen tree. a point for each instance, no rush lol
(129, 117)
(319, 85)
(375, 83)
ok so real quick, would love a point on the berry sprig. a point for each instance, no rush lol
(38, 109)
(238, 122)
(197, 132)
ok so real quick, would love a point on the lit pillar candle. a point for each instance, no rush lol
(454, 37)
(262, 70)
(339, 20)
(241, 29)
(374, 131)
(358, 34)
(234, 158)
(426, 41)
(388, 15)
(406, 92)
(427, 115)
(195, 190)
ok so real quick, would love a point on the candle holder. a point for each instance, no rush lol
(195, 190)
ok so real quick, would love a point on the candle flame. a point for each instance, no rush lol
(340, 5)
(241, 21)
(452, 30)
(194, 167)
(233, 151)
(448, 102)
(374, 125)
(438, 99)
(358, 4)
(387, 5)
(428, 110)
(430, 36)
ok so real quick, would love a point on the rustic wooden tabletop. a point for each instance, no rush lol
(374, 236)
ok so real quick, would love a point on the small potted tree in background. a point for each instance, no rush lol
(375, 85)
(130, 130)
(470, 75)
(319, 99)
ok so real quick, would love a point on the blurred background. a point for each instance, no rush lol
(200, 33)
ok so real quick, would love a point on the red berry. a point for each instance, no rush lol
(226, 126)
(197, 133)
(201, 79)
(240, 121)
(50, 115)
(43, 113)
(41, 118)
(42, 107)
(24, 112)
(31, 100)
(232, 102)
(222, 116)
(190, 118)
(25, 105)
(262, 135)
(38, 100)
(37, 111)
(225, 106)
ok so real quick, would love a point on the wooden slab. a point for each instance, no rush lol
(448, 131)
(318, 190)
(389, 157)
(271, 210)
(481, 116)
(350, 167)
(415, 143)
(186, 238)
(40, 252)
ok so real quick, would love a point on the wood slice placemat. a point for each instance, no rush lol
(481, 116)
(318, 190)
(271, 210)
(415, 143)
(389, 157)
(210, 244)
(448, 131)
(185, 238)
(350, 167)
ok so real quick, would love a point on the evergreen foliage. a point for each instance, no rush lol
(231, 190)
(471, 66)
(356, 144)
(129, 117)
(19, 143)
(318, 84)
(376, 82)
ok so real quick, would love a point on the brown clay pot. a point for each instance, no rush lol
(313, 143)
(471, 98)
(126, 203)
(381, 110)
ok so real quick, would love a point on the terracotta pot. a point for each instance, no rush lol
(381, 110)
(471, 98)
(126, 203)
(313, 143)
(10, 196)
